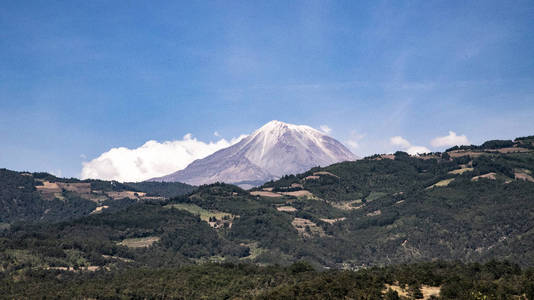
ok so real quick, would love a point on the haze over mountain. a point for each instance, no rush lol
(274, 150)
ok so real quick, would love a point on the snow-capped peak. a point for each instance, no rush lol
(274, 150)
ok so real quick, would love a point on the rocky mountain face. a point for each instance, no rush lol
(274, 150)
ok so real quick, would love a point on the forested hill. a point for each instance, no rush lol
(470, 204)
(31, 197)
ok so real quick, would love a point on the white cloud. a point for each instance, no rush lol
(450, 140)
(325, 129)
(216, 133)
(405, 145)
(399, 141)
(152, 159)
(56, 172)
(413, 150)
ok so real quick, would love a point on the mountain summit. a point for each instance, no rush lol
(274, 150)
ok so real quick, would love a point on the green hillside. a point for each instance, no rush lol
(34, 197)
(469, 205)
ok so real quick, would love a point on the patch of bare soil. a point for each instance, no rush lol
(99, 209)
(523, 176)
(492, 176)
(301, 193)
(286, 208)
(332, 221)
(374, 213)
(265, 194)
(268, 189)
(311, 177)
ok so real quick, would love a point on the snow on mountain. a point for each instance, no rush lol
(274, 150)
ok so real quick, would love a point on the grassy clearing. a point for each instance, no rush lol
(307, 228)
(374, 195)
(144, 242)
(444, 182)
(255, 251)
(461, 171)
(204, 214)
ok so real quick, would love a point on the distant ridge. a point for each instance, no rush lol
(274, 150)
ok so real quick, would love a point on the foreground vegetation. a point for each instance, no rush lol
(493, 280)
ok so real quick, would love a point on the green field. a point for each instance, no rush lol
(204, 214)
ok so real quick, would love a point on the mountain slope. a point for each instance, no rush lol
(29, 197)
(274, 150)
(375, 211)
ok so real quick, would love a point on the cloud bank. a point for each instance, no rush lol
(405, 145)
(450, 140)
(153, 159)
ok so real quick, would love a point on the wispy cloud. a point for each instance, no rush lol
(325, 129)
(354, 140)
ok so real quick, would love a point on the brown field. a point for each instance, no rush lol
(139, 242)
(522, 175)
(301, 193)
(265, 194)
(491, 176)
(286, 208)
(428, 156)
(311, 177)
(268, 189)
(125, 194)
(459, 153)
(80, 188)
(388, 156)
(512, 150)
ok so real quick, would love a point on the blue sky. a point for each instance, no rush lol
(78, 78)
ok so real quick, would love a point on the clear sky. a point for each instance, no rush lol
(78, 78)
